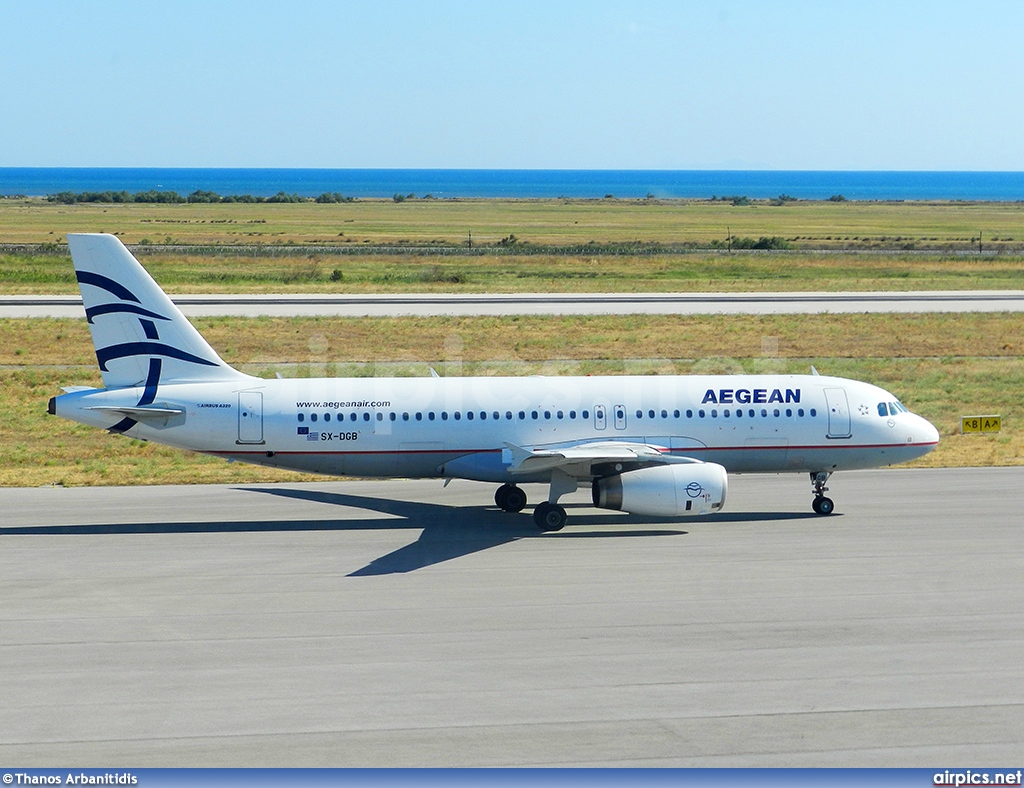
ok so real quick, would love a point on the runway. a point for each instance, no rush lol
(403, 624)
(426, 305)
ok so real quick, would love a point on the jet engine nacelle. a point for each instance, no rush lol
(665, 490)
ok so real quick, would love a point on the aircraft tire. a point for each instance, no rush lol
(549, 516)
(510, 498)
(823, 505)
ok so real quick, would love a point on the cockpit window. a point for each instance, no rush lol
(883, 409)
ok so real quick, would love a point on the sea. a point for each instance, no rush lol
(522, 184)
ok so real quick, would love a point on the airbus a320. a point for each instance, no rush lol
(648, 445)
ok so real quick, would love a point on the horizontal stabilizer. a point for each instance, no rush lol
(159, 418)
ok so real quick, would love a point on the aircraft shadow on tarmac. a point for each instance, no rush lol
(446, 532)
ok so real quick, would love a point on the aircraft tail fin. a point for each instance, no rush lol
(141, 338)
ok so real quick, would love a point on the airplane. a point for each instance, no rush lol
(648, 445)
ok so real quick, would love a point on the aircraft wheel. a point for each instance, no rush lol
(549, 516)
(510, 498)
(823, 505)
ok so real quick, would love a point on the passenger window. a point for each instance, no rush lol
(392, 416)
(430, 415)
(327, 417)
(469, 415)
(457, 415)
(302, 417)
(444, 415)
(689, 414)
(380, 417)
(312, 417)
(405, 417)
(419, 416)
(639, 414)
(508, 415)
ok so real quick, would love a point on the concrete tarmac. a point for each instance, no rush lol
(401, 624)
(435, 304)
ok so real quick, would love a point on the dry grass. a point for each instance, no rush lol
(535, 221)
(268, 340)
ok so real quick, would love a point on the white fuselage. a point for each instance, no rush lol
(464, 427)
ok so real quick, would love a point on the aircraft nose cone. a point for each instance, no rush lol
(926, 432)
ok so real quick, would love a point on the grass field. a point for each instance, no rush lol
(942, 366)
(861, 225)
(282, 247)
(698, 272)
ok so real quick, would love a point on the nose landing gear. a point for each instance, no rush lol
(821, 504)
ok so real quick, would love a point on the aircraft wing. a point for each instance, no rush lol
(578, 459)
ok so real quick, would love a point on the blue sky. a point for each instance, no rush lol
(729, 84)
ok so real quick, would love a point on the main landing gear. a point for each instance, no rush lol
(821, 504)
(548, 516)
(510, 498)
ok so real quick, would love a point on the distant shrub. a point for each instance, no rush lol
(284, 197)
(837, 198)
(200, 196)
(764, 242)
